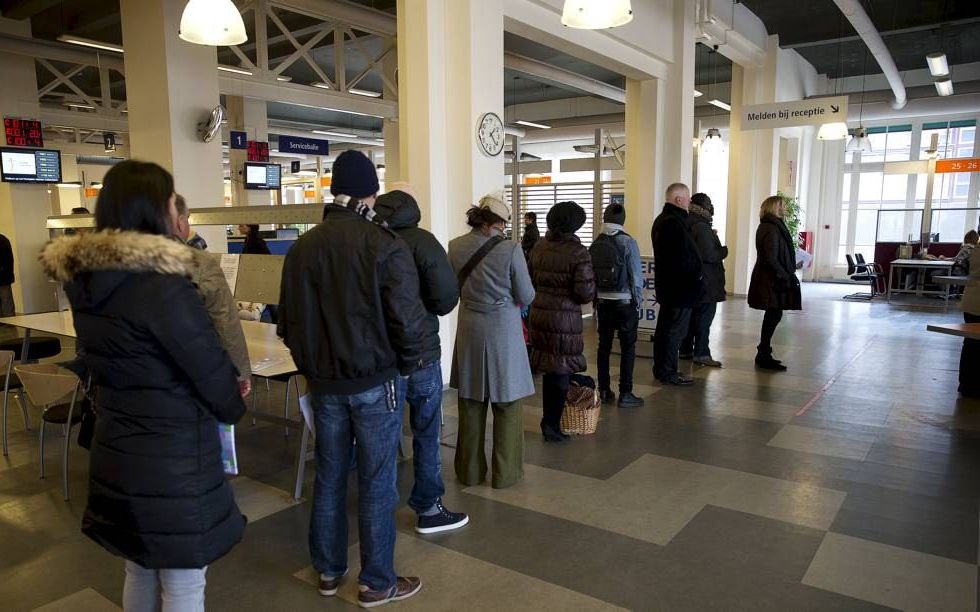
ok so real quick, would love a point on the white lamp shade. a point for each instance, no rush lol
(212, 22)
(596, 14)
(859, 142)
(832, 131)
(938, 66)
(944, 87)
(712, 142)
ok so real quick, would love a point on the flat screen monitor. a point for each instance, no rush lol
(262, 176)
(30, 165)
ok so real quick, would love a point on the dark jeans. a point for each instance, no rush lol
(769, 322)
(672, 324)
(374, 418)
(698, 332)
(970, 362)
(622, 318)
(555, 390)
(424, 398)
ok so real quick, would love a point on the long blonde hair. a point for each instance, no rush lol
(770, 205)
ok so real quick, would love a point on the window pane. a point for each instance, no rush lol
(869, 188)
(899, 146)
(894, 190)
(878, 142)
(920, 190)
(927, 139)
(950, 224)
(864, 231)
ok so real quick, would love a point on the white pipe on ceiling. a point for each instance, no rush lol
(854, 12)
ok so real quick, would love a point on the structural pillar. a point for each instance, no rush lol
(390, 129)
(450, 72)
(24, 208)
(644, 175)
(171, 86)
(249, 116)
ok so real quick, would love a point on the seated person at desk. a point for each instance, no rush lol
(961, 263)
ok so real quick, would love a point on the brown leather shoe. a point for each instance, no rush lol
(328, 586)
(404, 588)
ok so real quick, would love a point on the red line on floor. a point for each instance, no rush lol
(833, 379)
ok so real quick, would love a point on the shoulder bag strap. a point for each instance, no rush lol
(476, 258)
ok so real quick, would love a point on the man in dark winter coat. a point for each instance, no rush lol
(695, 345)
(351, 315)
(440, 294)
(677, 277)
(531, 234)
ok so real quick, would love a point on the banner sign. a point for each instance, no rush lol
(649, 308)
(815, 111)
(958, 165)
(309, 146)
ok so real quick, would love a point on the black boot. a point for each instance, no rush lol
(764, 360)
(552, 434)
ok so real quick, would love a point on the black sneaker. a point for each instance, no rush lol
(678, 380)
(628, 400)
(768, 363)
(444, 520)
(607, 396)
(328, 586)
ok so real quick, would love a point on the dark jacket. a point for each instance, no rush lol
(712, 254)
(255, 245)
(157, 490)
(437, 281)
(561, 271)
(529, 239)
(774, 283)
(6, 262)
(349, 306)
(677, 265)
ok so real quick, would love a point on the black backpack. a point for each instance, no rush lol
(609, 264)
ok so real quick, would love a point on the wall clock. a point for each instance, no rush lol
(490, 134)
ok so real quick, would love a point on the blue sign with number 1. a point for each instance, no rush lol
(237, 140)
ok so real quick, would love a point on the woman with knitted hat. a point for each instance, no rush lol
(561, 269)
(490, 364)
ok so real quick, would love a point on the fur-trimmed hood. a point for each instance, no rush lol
(65, 258)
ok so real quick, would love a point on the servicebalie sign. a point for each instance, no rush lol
(815, 111)
(298, 144)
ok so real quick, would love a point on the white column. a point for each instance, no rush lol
(644, 176)
(390, 129)
(24, 208)
(450, 72)
(171, 86)
(249, 116)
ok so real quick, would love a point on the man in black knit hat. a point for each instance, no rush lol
(351, 315)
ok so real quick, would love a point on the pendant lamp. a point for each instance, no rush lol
(832, 131)
(859, 142)
(596, 14)
(712, 142)
(215, 23)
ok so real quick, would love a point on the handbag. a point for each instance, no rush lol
(582, 406)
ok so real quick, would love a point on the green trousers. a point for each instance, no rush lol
(508, 443)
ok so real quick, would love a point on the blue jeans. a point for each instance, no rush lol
(424, 397)
(374, 418)
(166, 590)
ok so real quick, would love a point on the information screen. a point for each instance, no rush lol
(30, 165)
(23, 132)
(262, 176)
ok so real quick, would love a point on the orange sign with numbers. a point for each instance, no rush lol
(958, 165)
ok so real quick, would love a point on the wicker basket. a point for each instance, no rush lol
(582, 410)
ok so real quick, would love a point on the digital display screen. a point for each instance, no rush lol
(258, 151)
(30, 165)
(23, 132)
(262, 176)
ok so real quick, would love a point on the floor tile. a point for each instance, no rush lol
(893, 576)
(257, 500)
(87, 600)
(822, 442)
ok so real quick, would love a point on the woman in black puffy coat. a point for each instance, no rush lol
(158, 496)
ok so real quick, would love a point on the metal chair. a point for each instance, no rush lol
(861, 273)
(54, 389)
(873, 268)
(11, 384)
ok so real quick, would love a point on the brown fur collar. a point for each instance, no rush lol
(64, 258)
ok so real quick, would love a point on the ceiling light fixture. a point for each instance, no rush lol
(937, 64)
(722, 105)
(713, 142)
(944, 86)
(379, 140)
(859, 142)
(330, 133)
(79, 105)
(832, 131)
(216, 23)
(320, 84)
(284, 79)
(540, 126)
(596, 14)
(364, 92)
(235, 70)
(86, 42)
(697, 94)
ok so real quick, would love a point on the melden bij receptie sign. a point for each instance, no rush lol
(815, 111)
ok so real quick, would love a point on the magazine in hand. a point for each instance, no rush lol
(229, 458)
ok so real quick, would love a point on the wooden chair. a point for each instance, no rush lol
(55, 390)
(11, 384)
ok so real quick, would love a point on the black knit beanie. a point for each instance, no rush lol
(566, 217)
(354, 175)
(615, 213)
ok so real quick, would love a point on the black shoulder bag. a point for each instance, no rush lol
(476, 258)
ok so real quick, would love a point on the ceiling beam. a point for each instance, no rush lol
(303, 95)
(86, 121)
(30, 8)
(912, 30)
(59, 52)
(337, 11)
(560, 77)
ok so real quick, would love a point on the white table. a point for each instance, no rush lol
(961, 330)
(923, 266)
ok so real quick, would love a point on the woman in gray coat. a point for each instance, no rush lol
(490, 364)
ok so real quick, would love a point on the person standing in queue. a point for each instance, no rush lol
(6, 278)
(970, 354)
(353, 320)
(531, 233)
(158, 496)
(561, 270)
(619, 284)
(490, 365)
(677, 278)
(254, 243)
(774, 286)
(695, 345)
(440, 294)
